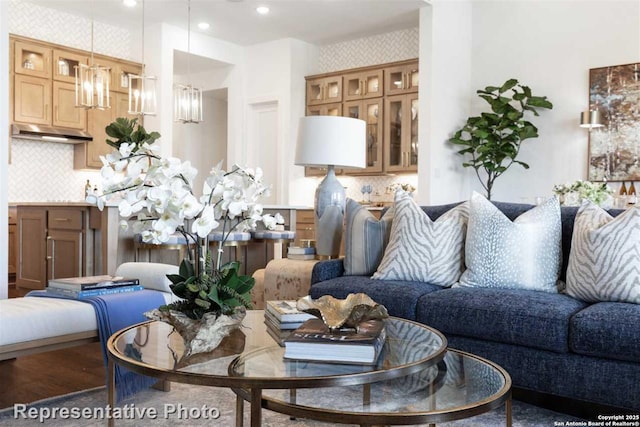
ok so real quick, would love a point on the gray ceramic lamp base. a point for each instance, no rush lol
(329, 215)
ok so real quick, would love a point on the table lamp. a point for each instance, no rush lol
(330, 141)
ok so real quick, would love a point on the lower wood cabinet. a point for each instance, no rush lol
(51, 244)
(13, 241)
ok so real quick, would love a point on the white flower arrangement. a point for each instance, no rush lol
(155, 194)
(573, 193)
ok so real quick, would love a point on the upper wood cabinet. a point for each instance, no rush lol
(401, 133)
(87, 155)
(65, 63)
(120, 76)
(32, 59)
(362, 85)
(32, 100)
(386, 97)
(65, 113)
(402, 79)
(324, 90)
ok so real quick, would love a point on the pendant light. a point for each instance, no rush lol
(187, 104)
(92, 83)
(142, 88)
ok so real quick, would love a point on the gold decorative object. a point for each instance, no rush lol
(203, 335)
(336, 313)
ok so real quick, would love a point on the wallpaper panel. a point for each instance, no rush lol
(388, 47)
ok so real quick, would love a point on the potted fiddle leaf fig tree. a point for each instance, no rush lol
(491, 142)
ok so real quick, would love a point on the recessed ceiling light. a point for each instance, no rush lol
(129, 3)
(262, 10)
(203, 25)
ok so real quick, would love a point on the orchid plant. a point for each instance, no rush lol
(572, 193)
(155, 195)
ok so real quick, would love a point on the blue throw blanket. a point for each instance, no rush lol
(115, 312)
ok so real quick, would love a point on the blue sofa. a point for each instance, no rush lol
(549, 343)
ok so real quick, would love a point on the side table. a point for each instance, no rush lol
(282, 279)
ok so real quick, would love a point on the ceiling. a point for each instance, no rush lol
(314, 21)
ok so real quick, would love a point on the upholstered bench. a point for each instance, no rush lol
(32, 325)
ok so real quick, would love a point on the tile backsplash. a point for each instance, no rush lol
(43, 171)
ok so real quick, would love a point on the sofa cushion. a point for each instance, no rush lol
(399, 297)
(424, 250)
(604, 264)
(512, 316)
(607, 329)
(520, 254)
(365, 239)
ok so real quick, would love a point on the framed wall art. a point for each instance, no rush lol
(614, 149)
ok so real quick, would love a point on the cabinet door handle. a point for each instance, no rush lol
(62, 219)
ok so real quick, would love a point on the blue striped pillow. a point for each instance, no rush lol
(365, 239)
(423, 250)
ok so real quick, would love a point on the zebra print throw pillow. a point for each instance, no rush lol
(365, 239)
(423, 250)
(604, 263)
(523, 254)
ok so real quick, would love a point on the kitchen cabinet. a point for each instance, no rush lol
(65, 113)
(32, 100)
(51, 244)
(32, 59)
(402, 79)
(13, 241)
(380, 95)
(371, 112)
(401, 133)
(363, 85)
(65, 63)
(121, 73)
(324, 90)
(87, 155)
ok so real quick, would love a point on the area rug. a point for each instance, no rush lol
(195, 406)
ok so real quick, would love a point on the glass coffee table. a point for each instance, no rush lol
(152, 349)
(461, 385)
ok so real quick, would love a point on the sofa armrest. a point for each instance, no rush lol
(326, 270)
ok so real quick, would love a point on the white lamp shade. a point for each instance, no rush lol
(331, 141)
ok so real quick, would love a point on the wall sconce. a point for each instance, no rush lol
(590, 119)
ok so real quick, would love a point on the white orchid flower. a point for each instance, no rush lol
(205, 223)
(126, 149)
(269, 221)
(279, 218)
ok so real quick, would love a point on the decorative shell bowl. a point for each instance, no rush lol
(348, 312)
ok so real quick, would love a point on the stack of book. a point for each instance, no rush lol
(282, 317)
(91, 286)
(300, 253)
(314, 341)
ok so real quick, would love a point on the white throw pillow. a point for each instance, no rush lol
(523, 254)
(423, 250)
(604, 263)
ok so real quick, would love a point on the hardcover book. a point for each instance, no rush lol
(315, 341)
(92, 282)
(94, 292)
(301, 257)
(287, 311)
(273, 322)
(298, 250)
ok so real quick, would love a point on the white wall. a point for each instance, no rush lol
(445, 71)
(4, 149)
(549, 46)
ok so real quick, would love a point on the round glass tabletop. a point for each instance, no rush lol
(460, 386)
(250, 358)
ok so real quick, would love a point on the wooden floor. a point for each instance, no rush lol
(39, 376)
(30, 378)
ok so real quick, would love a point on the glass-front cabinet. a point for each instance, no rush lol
(32, 60)
(371, 112)
(402, 79)
(325, 110)
(65, 63)
(401, 133)
(324, 90)
(363, 85)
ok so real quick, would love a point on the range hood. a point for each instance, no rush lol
(49, 134)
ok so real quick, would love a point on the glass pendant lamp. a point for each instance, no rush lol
(142, 88)
(92, 83)
(187, 104)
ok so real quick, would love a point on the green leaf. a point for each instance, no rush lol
(491, 88)
(175, 278)
(508, 85)
(540, 102)
(186, 269)
(202, 303)
(245, 284)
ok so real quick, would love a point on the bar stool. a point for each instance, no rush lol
(176, 242)
(237, 239)
(276, 237)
